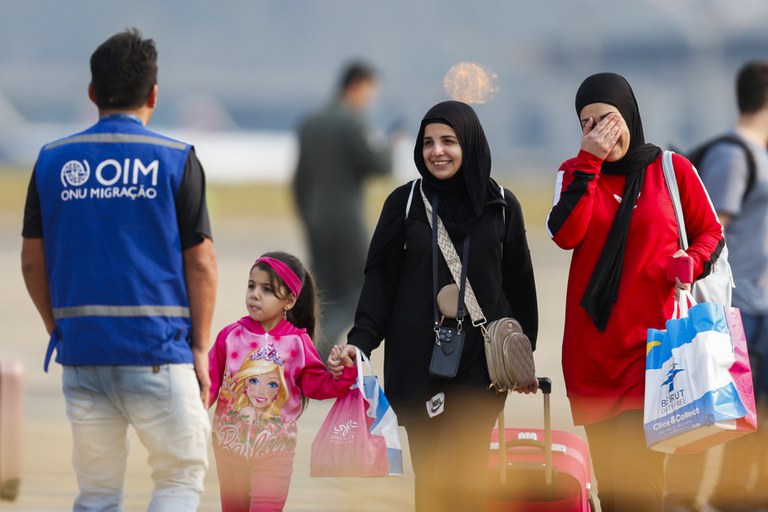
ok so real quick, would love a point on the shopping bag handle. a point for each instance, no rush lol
(682, 306)
(360, 360)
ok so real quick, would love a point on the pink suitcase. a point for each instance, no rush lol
(539, 470)
(11, 425)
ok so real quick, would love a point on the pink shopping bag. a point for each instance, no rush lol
(741, 373)
(344, 445)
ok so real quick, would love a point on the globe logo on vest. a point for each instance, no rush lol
(75, 173)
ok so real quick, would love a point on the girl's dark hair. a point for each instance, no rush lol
(304, 313)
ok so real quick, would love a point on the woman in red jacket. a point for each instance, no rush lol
(613, 209)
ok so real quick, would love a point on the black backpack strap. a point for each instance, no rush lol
(697, 155)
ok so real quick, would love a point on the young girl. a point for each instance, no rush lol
(263, 368)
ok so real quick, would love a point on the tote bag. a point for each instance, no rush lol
(698, 384)
(717, 287)
(360, 436)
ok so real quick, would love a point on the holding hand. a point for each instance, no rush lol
(533, 388)
(340, 357)
(680, 285)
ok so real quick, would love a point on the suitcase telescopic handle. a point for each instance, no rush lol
(545, 385)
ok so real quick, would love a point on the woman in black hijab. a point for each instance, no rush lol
(613, 209)
(448, 420)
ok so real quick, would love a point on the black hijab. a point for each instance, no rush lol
(461, 198)
(603, 287)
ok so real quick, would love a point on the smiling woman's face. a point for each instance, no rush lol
(441, 151)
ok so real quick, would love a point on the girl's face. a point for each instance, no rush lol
(263, 305)
(262, 389)
(441, 151)
(597, 111)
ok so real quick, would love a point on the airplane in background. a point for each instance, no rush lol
(240, 156)
(228, 155)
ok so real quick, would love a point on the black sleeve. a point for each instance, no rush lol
(517, 271)
(33, 217)
(191, 206)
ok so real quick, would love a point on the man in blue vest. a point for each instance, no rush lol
(118, 259)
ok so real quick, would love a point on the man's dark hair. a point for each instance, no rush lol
(354, 73)
(752, 86)
(123, 71)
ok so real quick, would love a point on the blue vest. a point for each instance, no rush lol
(112, 247)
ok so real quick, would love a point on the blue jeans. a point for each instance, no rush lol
(163, 405)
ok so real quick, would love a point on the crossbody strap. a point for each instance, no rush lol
(674, 192)
(463, 282)
(454, 264)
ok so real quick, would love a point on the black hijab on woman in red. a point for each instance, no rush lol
(461, 198)
(603, 287)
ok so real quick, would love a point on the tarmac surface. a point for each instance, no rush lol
(247, 221)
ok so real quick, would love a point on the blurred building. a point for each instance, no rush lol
(269, 62)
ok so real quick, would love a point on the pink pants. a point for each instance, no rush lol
(258, 484)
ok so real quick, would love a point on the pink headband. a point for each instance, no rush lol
(285, 273)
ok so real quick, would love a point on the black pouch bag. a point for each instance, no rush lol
(446, 353)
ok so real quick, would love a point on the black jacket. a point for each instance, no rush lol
(396, 303)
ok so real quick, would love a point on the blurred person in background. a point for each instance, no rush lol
(118, 259)
(741, 203)
(338, 151)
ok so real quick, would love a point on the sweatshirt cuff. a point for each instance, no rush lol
(348, 375)
(698, 265)
(588, 162)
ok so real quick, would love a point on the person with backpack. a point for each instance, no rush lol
(448, 419)
(735, 175)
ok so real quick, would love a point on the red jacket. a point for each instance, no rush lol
(605, 371)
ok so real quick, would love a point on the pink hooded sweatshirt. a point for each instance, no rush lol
(258, 380)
